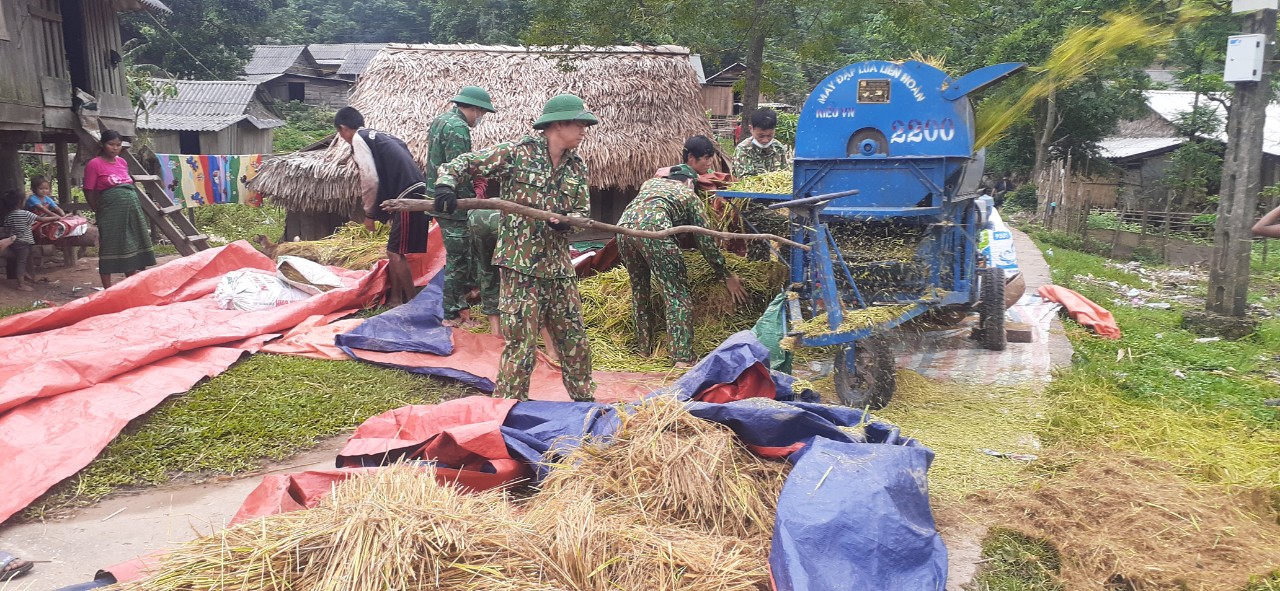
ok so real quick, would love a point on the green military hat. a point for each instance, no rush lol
(564, 107)
(476, 97)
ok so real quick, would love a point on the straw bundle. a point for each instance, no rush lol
(396, 528)
(777, 182)
(673, 503)
(352, 247)
(607, 310)
(637, 92)
(669, 467)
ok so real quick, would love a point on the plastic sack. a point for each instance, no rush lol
(770, 329)
(309, 276)
(251, 290)
(995, 242)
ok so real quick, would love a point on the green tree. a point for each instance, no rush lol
(490, 22)
(349, 21)
(809, 28)
(201, 39)
(304, 125)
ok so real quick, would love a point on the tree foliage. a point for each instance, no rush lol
(201, 39)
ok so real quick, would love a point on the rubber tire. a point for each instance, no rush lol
(875, 379)
(991, 310)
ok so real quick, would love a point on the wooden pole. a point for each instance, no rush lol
(63, 161)
(1241, 181)
(539, 214)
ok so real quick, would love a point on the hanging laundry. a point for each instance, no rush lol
(192, 180)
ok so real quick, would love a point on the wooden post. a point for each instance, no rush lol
(63, 158)
(1241, 181)
(10, 168)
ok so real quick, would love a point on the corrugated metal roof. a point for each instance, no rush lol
(332, 53)
(1170, 104)
(358, 58)
(132, 5)
(727, 76)
(1129, 147)
(696, 61)
(208, 106)
(272, 59)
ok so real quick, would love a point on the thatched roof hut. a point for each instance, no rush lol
(647, 99)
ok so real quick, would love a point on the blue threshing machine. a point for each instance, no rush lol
(888, 146)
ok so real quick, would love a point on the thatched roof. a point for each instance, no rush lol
(647, 99)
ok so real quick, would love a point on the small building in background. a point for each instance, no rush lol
(291, 73)
(63, 81)
(343, 60)
(212, 117)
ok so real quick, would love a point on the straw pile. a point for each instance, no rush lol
(607, 310)
(852, 320)
(352, 247)
(673, 503)
(776, 182)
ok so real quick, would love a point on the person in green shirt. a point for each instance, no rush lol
(665, 203)
(538, 284)
(758, 154)
(449, 137)
(761, 152)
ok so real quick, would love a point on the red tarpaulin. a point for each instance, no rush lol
(1082, 310)
(71, 377)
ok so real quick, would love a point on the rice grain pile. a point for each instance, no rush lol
(351, 247)
(671, 502)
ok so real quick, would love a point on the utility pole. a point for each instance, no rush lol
(1242, 164)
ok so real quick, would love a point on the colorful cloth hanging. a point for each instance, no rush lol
(192, 180)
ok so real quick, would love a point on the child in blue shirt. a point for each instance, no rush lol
(41, 201)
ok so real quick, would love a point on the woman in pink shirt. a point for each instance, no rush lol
(124, 240)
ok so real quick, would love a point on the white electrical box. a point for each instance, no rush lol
(1244, 58)
(1238, 6)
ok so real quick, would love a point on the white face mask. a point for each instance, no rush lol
(757, 143)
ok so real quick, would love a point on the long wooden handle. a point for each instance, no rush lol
(540, 214)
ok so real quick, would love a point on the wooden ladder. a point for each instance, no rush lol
(162, 211)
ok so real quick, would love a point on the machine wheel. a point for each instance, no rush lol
(865, 374)
(991, 309)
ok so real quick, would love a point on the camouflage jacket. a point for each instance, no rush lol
(448, 137)
(664, 203)
(750, 160)
(524, 169)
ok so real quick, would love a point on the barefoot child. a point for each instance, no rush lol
(18, 222)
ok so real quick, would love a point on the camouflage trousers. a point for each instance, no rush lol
(648, 260)
(529, 303)
(482, 225)
(459, 267)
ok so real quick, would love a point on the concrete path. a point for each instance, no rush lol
(125, 527)
(964, 537)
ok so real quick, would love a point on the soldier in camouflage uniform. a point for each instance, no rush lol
(482, 225)
(664, 203)
(449, 137)
(755, 155)
(538, 285)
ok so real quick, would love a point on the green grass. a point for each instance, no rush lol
(11, 310)
(1162, 363)
(1017, 562)
(265, 408)
(227, 223)
(1269, 582)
